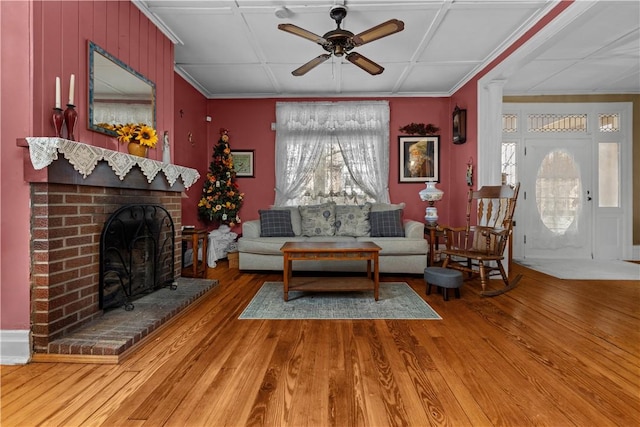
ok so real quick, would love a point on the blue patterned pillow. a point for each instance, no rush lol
(386, 223)
(318, 220)
(353, 220)
(275, 223)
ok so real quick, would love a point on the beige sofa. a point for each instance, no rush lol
(404, 248)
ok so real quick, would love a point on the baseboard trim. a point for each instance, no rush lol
(15, 347)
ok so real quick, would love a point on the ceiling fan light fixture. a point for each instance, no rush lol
(339, 42)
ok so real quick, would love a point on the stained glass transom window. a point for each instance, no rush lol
(557, 123)
(609, 122)
(509, 123)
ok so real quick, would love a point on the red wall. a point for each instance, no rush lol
(249, 123)
(189, 117)
(14, 196)
(42, 40)
(61, 31)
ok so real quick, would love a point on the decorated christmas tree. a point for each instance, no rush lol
(221, 199)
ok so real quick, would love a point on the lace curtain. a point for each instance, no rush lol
(361, 130)
(122, 113)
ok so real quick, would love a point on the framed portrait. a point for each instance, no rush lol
(243, 163)
(419, 158)
(459, 126)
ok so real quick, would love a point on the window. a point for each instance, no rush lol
(609, 122)
(332, 151)
(557, 123)
(608, 175)
(332, 180)
(508, 149)
(509, 163)
(509, 123)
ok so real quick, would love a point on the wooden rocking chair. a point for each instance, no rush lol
(479, 249)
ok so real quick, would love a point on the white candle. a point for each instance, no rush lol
(57, 92)
(72, 83)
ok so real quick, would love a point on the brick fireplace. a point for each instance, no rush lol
(68, 213)
(66, 224)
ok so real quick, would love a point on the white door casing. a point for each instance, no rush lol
(599, 230)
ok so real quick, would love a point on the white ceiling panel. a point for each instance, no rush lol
(322, 78)
(231, 79)
(433, 78)
(600, 28)
(596, 72)
(465, 36)
(205, 41)
(356, 80)
(233, 47)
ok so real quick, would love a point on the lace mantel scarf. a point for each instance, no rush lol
(84, 158)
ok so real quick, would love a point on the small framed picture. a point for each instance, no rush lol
(243, 163)
(459, 126)
(419, 158)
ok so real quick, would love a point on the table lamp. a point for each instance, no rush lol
(431, 194)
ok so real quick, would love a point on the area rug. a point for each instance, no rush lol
(396, 301)
(584, 269)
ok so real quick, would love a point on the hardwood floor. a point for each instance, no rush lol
(550, 352)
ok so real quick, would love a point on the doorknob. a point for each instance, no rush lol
(588, 196)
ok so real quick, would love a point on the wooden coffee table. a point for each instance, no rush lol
(331, 251)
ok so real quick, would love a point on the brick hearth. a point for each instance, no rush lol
(117, 331)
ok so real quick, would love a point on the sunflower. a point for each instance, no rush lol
(125, 133)
(140, 133)
(147, 136)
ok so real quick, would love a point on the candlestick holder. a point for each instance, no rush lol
(70, 118)
(58, 120)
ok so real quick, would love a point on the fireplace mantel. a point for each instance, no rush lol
(83, 164)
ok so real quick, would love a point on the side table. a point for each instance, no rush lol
(198, 268)
(433, 234)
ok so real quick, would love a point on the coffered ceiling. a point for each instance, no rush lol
(233, 49)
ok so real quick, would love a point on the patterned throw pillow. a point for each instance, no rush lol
(295, 217)
(353, 220)
(386, 224)
(318, 220)
(275, 223)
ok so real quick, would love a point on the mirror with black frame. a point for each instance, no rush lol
(117, 93)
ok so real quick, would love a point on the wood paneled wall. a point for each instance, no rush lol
(61, 31)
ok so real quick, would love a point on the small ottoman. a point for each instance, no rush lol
(444, 278)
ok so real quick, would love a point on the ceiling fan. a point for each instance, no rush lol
(340, 41)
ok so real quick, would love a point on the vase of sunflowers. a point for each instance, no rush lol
(138, 137)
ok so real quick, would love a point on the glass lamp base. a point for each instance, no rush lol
(431, 215)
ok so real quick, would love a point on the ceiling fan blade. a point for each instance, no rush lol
(294, 29)
(387, 28)
(304, 69)
(365, 63)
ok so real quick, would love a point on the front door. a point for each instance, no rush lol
(557, 198)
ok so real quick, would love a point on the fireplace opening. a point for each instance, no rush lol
(136, 255)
